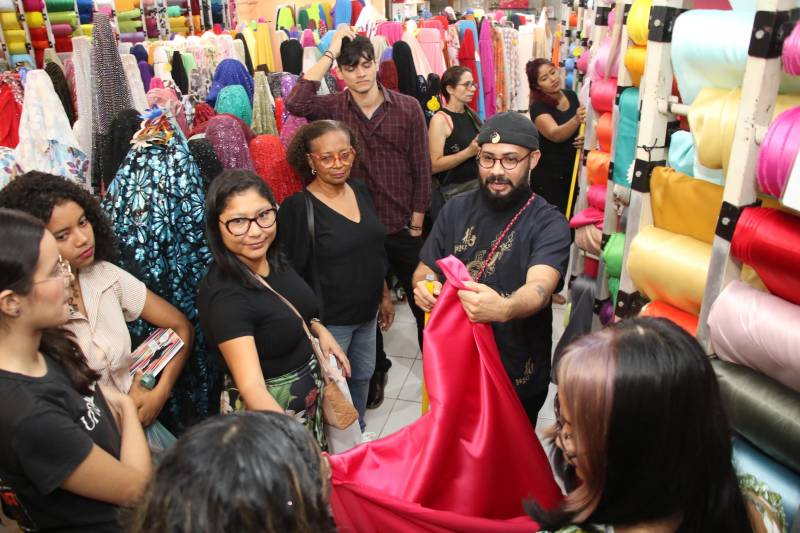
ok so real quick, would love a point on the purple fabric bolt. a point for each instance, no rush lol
(229, 142)
(147, 74)
(386, 55)
(230, 72)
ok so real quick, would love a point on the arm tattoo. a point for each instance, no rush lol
(541, 290)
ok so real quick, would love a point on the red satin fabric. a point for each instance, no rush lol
(466, 58)
(769, 241)
(468, 463)
(687, 321)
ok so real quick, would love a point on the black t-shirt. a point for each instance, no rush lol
(350, 257)
(552, 176)
(47, 430)
(467, 229)
(228, 310)
(464, 131)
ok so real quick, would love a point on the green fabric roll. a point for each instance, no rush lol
(285, 18)
(613, 289)
(63, 17)
(131, 14)
(188, 62)
(764, 411)
(302, 18)
(626, 135)
(174, 11)
(612, 254)
(130, 26)
(233, 99)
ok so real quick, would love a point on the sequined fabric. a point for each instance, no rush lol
(269, 158)
(206, 159)
(263, 107)
(229, 141)
(233, 100)
(123, 127)
(110, 92)
(156, 205)
(230, 72)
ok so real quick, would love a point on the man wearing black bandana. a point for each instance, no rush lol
(515, 245)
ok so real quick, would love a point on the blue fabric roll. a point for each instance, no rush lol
(230, 72)
(342, 13)
(627, 129)
(569, 81)
(749, 460)
(140, 52)
(683, 157)
(569, 64)
(325, 42)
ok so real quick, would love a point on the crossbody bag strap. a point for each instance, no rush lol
(290, 305)
(314, 271)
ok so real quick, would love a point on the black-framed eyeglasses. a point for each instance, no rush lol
(468, 84)
(562, 436)
(507, 162)
(240, 225)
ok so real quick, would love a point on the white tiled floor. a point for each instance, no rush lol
(403, 396)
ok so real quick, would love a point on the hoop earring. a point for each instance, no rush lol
(313, 172)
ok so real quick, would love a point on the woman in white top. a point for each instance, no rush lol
(104, 296)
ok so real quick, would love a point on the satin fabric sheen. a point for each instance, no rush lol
(469, 462)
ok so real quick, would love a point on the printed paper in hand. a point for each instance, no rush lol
(154, 353)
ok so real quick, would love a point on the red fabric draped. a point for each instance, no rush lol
(466, 58)
(469, 462)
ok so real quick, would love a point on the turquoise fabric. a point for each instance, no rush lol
(683, 158)
(626, 135)
(463, 26)
(233, 100)
(748, 460)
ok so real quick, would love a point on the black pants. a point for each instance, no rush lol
(533, 405)
(402, 251)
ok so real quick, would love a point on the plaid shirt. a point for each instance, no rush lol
(393, 159)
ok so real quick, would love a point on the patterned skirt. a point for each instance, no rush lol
(298, 392)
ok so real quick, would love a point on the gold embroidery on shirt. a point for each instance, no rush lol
(474, 267)
(527, 372)
(467, 241)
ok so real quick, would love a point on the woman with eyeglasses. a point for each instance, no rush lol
(452, 139)
(557, 114)
(71, 452)
(104, 297)
(344, 258)
(269, 360)
(643, 436)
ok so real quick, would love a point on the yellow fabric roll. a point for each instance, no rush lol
(177, 22)
(17, 47)
(638, 21)
(669, 267)
(9, 21)
(87, 29)
(264, 46)
(125, 5)
(684, 205)
(250, 41)
(15, 36)
(326, 7)
(35, 19)
(712, 120)
(634, 62)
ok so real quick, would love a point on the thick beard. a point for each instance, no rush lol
(501, 203)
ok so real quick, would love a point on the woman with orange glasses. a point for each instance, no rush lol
(335, 241)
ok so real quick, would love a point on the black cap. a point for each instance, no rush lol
(510, 128)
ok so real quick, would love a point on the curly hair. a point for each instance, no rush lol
(300, 145)
(37, 193)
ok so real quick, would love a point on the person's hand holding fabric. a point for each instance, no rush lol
(483, 304)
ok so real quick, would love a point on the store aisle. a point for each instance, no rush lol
(403, 396)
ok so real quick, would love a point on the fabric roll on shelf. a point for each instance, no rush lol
(764, 411)
(712, 118)
(710, 49)
(602, 94)
(769, 241)
(684, 205)
(758, 330)
(661, 309)
(604, 131)
(638, 21)
(605, 65)
(748, 460)
(635, 57)
(596, 196)
(669, 267)
(597, 166)
(778, 152)
(790, 56)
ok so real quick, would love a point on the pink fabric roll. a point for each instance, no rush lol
(596, 196)
(602, 59)
(757, 330)
(61, 30)
(487, 68)
(590, 215)
(432, 46)
(33, 5)
(393, 31)
(308, 39)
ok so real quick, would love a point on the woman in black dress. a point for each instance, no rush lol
(557, 115)
(452, 138)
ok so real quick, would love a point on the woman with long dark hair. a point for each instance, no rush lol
(344, 259)
(643, 436)
(270, 363)
(557, 114)
(453, 139)
(249, 472)
(71, 451)
(104, 297)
